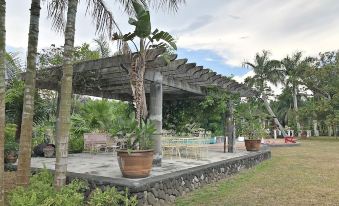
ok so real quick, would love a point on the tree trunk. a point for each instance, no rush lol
(2, 96)
(276, 121)
(137, 73)
(66, 98)
(295, 106)
(24, 163)
(315, 128)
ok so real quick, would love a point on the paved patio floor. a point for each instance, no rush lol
(106, 164)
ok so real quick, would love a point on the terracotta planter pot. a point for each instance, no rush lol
(11, 157)
(252, 144)
(137, 164)
(49, 151)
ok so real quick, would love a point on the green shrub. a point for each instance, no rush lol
(76, 144)
(41, 192)
(111, 197)
(10, 143)
(10, 130)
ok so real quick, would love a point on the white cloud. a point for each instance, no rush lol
(241, 79)
(234, 29)
(280, 26)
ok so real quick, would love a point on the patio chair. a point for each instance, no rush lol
(171, 146)
(95, 142)
(197, 148)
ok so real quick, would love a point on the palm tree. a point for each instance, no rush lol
(104, 22)
(24, 162)
(266, 71)
(2, 95)
(102, 46)
(63, 120)
(295, 67)
(147, 40)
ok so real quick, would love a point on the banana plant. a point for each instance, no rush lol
(148, 40)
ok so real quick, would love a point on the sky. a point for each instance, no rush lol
(216, 34)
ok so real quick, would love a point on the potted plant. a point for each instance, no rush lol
(11, 152)
(136, 156)
(49, 150)
(253, 133)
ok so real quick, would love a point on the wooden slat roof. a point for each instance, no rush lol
(108, 78)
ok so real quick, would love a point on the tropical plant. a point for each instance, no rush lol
(136, 137)
(111, 197)
(253, 130)
(248, 117)
(104, 20)
(40, 191)
(295, 67)
(266, 71)
(63, 123)
(102, 46)
(147, 40)
(10, 144)
(2, 95)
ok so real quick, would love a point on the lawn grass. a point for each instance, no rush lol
(305, 175)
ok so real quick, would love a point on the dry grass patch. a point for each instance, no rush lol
(305, 175)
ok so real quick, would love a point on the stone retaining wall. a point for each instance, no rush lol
(162, 190)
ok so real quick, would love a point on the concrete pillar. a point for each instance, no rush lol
(155, 111)
(230, 127)
(275, 134)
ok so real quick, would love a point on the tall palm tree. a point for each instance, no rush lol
(295, 67)
(2, 95)
(266, 71)
(104, 22)
(63, 119)
(24, 162)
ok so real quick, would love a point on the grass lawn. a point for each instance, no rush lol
(305, 175)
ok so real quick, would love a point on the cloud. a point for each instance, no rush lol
(279, 26)
(234, 30)
(233, 16)
(196, 24)
(242, 78)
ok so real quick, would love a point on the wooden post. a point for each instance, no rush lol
(156, 96)
(225, 130)
(230, 127)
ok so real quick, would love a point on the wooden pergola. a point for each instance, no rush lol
(176, 79)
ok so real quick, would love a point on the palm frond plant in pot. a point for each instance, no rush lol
(253, 132)
(136, 154)
(136, 160)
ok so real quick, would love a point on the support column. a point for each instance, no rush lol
(156, 116)
(230, 127)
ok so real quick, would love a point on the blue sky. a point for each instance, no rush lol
(211, 60)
